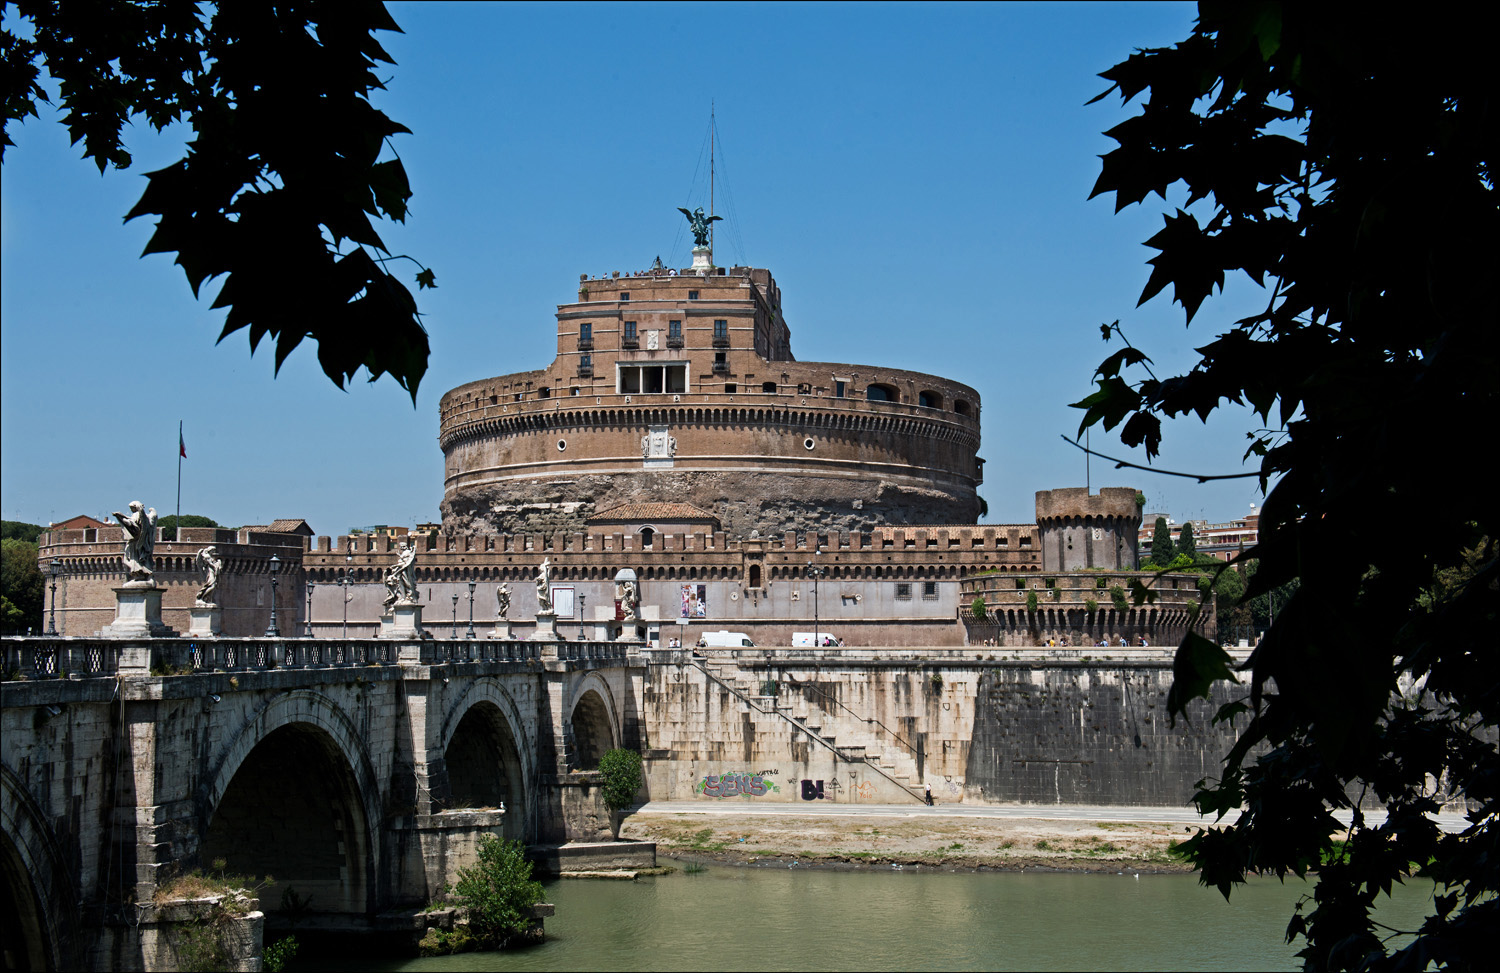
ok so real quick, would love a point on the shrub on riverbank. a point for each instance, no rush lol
(497, 893)
(621, 770)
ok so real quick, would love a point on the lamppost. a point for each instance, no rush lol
(470, 633)
(583, 619)
(454, 637)
(272, 632)
(307, 618)
(344, 590)
(815, 572)
(54, 567)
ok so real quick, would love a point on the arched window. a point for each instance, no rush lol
(755, 575)
(648, 536)
(931, 400)
(882, 393)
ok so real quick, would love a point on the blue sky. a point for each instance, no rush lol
(916, 177)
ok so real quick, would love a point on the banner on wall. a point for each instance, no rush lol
(562, 602)
(695, 601)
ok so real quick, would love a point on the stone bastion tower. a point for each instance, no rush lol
(681, 387)
(1080, 530)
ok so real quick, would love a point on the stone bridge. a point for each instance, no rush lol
(360, 774)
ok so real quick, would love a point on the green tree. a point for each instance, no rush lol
(1162, 548)
(284, 171)
(168, 524)
(19, 530)
(498, 891)
(22, 586)
(977, 609)
(1345, 163)
(621, 770)
(1185, 542)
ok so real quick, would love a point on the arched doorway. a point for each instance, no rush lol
(484, 767)
(293, 811)
(592, 735)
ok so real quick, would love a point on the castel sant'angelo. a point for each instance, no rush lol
(676, 440)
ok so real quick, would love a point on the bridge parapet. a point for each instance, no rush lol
(70, 658)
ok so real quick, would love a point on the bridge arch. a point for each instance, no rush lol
(489, 754)
(38, 905)
(293, 794)
(593, 721)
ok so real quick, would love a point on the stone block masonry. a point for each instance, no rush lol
(730, 724)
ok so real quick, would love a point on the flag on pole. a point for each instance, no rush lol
(181, 445)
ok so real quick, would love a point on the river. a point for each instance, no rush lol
(798, 918)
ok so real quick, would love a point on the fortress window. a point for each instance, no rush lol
(770, 389)
(838, 389)
(930, 399)
(692, 295)
(903, 590)
(929, 589)
(585, 364)
(961, 407)
(630, 332)
(730, 388)
(573, 390)
(544, 393)
(652, 379)
(648, 536)
(624, 295)
(754, 576)
(674, 329)
(882, 393)
(721, 333)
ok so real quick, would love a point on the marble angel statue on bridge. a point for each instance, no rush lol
(140, 541)
(401, 577)
(209, 562)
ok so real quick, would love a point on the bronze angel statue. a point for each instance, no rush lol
(700, 223)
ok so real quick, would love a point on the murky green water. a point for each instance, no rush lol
(796, 919)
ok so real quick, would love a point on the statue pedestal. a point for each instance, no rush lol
(384, 631)
(406, 621)
(546, 627)
(703, 260)
(137, 613)
(208, 621)
(502, 629)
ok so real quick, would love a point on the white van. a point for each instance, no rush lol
(724, 640)
(808, 640)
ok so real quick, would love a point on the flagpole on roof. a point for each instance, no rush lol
(181, 452)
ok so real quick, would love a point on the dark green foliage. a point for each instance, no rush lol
(1346, 163)
(977, 609)
(277, 955)
(621, 770)
(1185, 542)
(168, 524)
(22, 587)
(1031, 600)
(283, 175)
(19, 530)
(1118, 599)
(1162, 548)
(498, 892)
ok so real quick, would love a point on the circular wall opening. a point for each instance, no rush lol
(808, 443)
(562, 444)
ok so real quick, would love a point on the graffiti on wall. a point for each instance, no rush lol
(736, 783)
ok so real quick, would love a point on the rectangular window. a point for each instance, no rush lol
(674, 329)
(630, 334)
(585, 332)
(624, 295)
(585, 364)
(692, 295)
(903, 590)
(730, 388)
(929, 589)
(721, 328)
(838, 389)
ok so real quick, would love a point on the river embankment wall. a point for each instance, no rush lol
(1040, 727)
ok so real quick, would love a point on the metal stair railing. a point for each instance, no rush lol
(840, 704)
(800, 725)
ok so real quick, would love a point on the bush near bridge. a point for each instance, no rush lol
(621, 770)
(497, 892)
